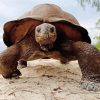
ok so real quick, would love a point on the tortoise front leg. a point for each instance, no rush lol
(89, 61)
(8, 62)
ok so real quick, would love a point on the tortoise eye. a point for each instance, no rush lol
(52, 29)
(38, 30)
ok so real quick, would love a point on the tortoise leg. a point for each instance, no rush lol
(22, 63)
(89, 61)
(8, 62)
(57, 55)
(47, 55)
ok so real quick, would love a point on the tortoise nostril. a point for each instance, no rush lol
(52, 29)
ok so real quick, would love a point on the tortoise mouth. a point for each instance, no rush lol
(46, 41)
(45, 38)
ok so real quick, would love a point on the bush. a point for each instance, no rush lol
(98, 45)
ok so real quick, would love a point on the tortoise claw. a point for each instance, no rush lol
(90, 86)
(22, 64)
(15, 74)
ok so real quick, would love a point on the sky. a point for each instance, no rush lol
(12, 9)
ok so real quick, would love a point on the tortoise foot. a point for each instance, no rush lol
(64, 61)
(22, 64)
(15, 74)
(90, 86)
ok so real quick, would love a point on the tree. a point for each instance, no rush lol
(98, 37)
(96, 4)
(93, 3)
(98, 24)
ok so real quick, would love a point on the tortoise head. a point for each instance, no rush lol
(45, 35)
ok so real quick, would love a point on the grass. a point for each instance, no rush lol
(98, 45)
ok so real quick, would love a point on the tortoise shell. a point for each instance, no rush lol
(16, 30)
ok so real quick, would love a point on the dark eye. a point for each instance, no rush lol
(38, 29)
(52, 29)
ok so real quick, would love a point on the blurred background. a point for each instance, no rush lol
(87, 12)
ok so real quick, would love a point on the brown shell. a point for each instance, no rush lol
(49, 13)
(16, 30)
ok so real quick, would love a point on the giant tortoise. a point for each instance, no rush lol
(49, 32)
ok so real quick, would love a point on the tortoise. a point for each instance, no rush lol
(45, 32)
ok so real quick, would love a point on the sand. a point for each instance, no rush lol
(46, 80)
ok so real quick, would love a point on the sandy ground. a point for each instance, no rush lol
(46, 80)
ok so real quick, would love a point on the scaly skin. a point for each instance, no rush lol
(88, 58)
(8, 62)
(25, 50)
(89, 61)
(64, 50)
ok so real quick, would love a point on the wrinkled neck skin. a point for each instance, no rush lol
(27, 46)
(46, 47)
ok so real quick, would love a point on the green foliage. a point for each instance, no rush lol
(96, 4)
(98, 24)
(98, 37)
(93, 3)
(98, 45)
